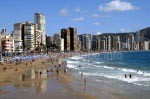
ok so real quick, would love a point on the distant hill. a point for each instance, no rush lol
(146, 33)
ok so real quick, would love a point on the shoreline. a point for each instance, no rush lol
(65, 79)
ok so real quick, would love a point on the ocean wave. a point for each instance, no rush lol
(98, 62)
(70, 62)
(127, 70)
(135, 79)
(138, 72)
(71, 66)
(76, 58)
(108, 67)
(139, 84)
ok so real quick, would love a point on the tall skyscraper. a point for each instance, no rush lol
(40, 21)
(65, 34)
(70, 39)
(73, 39)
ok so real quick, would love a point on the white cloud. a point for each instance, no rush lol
(100, 16)
(78, 19)
(117, 5)
(97, 23)
(95, 15)
(98, 33)
(64, 12)
(77, 9)
(124, 30)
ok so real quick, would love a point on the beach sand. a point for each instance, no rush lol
(57, 86)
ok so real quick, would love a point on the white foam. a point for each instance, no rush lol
(141, 84)
(133, 80)
(127, 70)
(71, 66)
(108, 67)
(98, 62)
(69, 62)
(76, 58)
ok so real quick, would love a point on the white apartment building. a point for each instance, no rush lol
(61, 44)
(88, 42)
(29, 30)
(17, 35)
(146, 45)
(39, 19)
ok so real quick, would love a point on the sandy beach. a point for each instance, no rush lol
(49, 84)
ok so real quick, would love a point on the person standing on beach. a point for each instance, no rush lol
(4, 69)
(57, 71)
(81, 74)
(51, 72)
(85, 81)
(40, 73)
(26, 63)
(65, 70)
(84, 85)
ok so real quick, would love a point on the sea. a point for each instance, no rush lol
(122, 73)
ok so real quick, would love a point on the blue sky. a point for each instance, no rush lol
(88, 16)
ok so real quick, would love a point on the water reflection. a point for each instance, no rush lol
(34, 74)
(33, 79)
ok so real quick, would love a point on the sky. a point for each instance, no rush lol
(88, 16)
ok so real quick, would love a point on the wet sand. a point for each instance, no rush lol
(54, 87)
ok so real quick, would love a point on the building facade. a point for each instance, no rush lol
(39, 19)
(29, 36)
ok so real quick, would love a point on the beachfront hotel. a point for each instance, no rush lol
(70, 39)
(39, 19)
(128, 41)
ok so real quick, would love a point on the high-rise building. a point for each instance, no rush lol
(18, 35)
(49, 41)
(118, 43)
(114, 43)
(73, 39)
(56, 38)
(40, 21)
(29, 35)
(70, 39)
(61, 44)
(65, 34)
(88, 42)
(94, 43)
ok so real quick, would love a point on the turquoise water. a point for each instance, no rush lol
(114, 65)
(133, 60)
(106, 71)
